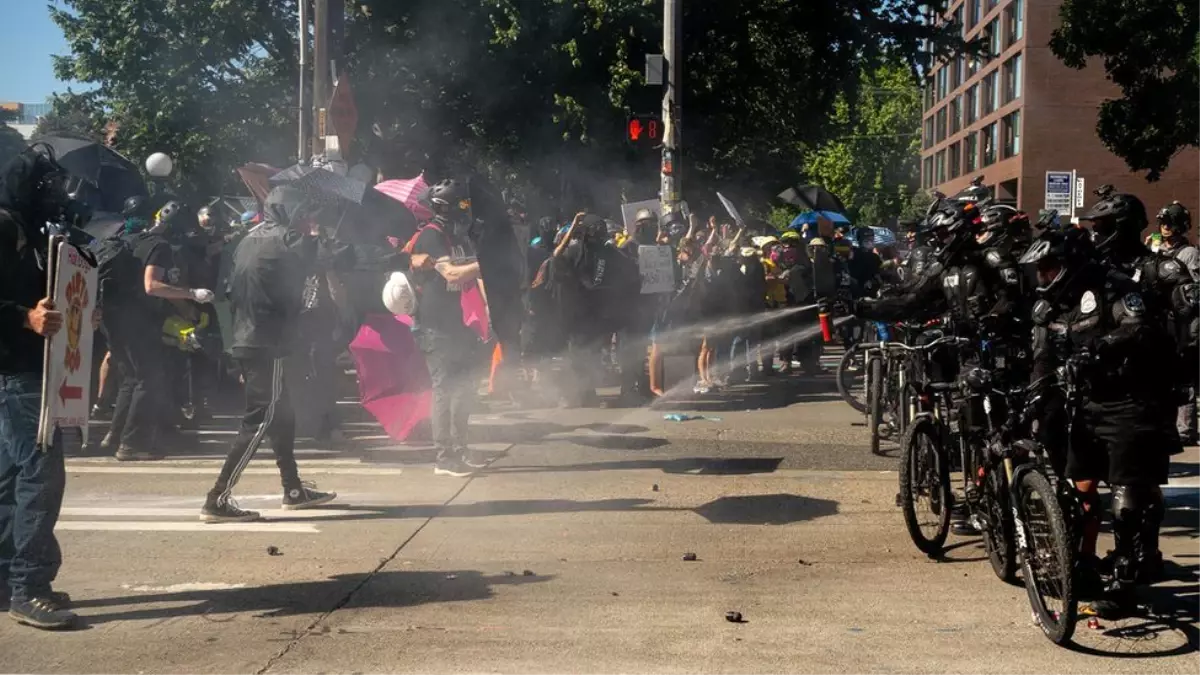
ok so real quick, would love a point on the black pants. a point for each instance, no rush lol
(268, 416)
(453, 363)
(143, 398)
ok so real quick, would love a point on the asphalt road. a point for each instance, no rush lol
(566, 555)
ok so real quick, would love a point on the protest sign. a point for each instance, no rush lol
(67, 373)
(656, 264)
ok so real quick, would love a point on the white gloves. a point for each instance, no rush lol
(202, 295)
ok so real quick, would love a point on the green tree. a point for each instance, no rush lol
(74, 115)
(1151, 50)
(535, 90)
(872, 162)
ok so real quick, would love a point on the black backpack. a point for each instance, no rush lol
(120, 271)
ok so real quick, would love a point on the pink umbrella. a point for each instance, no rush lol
(393, 382)
(407, 192)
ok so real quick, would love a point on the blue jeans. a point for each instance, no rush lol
(31, 491)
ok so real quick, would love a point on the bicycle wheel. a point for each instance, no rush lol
(924, 487)
(875, 396)
(998, 538)
(1049, 560)
(850, 380)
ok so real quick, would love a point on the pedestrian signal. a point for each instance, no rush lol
(644, 130)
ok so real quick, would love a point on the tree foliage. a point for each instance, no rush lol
(873, 161)
(1151, 50)
(535, 90)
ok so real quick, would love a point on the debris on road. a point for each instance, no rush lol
(682, 417)
(615, 594)
(1094, 624)
(527, 573)
(274, 550)
(451, 577)
(509, 573)
(654, 488)
(690, 557)
(804, 562)
(734, 617)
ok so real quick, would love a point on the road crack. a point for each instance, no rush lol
(312, 628)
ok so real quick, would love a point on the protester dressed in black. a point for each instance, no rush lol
(453, 352)
(266, 289)
(32, 480)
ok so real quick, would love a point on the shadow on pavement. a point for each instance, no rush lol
(1164, 624)
(779, 391)
(384, 589)
(700, 466)
(775, 509)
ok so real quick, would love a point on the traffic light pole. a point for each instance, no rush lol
(670, 194)
(320, 69)
(305, 114)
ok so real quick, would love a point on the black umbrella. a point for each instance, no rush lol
(812, 197)
(110, 178)
(318, 182)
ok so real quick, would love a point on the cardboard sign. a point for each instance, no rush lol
(68, 367)
(628, 211)
(656, 264)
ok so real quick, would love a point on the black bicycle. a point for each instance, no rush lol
(1048, 521)
(925, 494)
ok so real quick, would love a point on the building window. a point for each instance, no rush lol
(941, 124)
(956, 114)
(955, 160)
(927, 173)
(976, 11)
(972, 66)
(942, 81)
(971, 111)
(987, 138)
(991, 93)
(928, 94)
(958, 20)
(1011, 130)
(994, 45)
(928, 133)
(970, 153)
(960, 73)
(939, 162)
(1014, 23)
(1012, 78)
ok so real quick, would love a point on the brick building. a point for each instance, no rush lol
(1019, 113)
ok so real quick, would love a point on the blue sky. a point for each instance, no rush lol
(27, 39)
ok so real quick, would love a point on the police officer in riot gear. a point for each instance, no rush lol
(1174, 222)
(1091, 317)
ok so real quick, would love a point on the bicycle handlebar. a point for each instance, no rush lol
(947, 340)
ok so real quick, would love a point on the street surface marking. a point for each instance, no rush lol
(197, 526)
(185, 588)
(172, 512)
(213, 469)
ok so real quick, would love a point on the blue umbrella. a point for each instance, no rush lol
(810, 217)
(880, 236)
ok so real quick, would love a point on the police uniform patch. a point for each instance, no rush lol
(993, 258)
(1133, 303)
(1088, 304)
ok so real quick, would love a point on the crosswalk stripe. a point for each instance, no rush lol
(173, 512)
(195, 526)
(212, 469)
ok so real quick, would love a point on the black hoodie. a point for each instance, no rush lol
(22, 263)
(266, 284)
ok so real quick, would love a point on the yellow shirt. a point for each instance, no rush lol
(776, 290)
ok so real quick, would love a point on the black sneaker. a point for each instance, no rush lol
(474, 459)
(41, 612)
(215, 511)
(125, 454)
(452, 465)
(306, 497)
(59, 598)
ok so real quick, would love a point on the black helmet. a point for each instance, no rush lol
(449, 197)
(1067, 248)
(1176, 218)
(1115, 217)
(953, 226)
(999, 219)
(976, 192)
(136, 207)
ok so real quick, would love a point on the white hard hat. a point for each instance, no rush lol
(399, 296)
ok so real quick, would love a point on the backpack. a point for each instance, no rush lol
(119, 269)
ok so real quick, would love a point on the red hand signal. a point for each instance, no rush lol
(635, 129)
